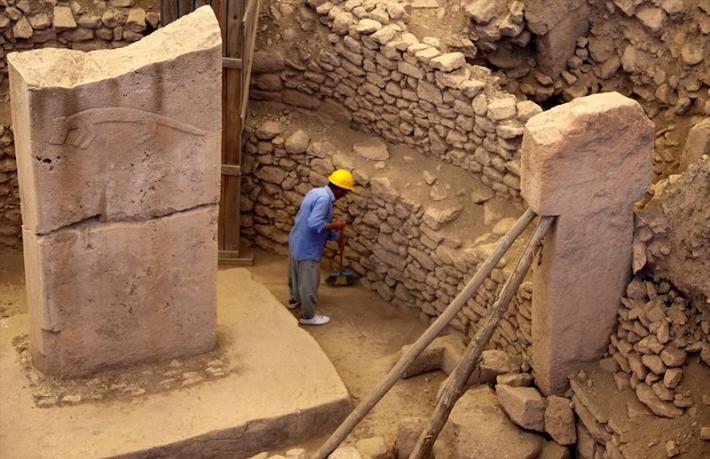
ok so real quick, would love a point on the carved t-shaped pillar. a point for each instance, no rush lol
(587, 162)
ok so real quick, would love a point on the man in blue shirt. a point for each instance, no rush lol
(313, 227)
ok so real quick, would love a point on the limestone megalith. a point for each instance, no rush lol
(588, 162)
(118, 155)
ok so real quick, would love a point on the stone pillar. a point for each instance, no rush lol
(588, 162)
(118, 155)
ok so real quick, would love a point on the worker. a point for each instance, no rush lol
(313, 227)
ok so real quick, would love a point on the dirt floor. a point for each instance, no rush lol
(364, 335)
(361, 340)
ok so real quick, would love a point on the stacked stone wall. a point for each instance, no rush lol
(409, 91)
(396, 246)
(84, 26)
(10, 218)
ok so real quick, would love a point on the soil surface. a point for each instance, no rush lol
(364, 335)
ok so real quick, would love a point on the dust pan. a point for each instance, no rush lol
(341, 278)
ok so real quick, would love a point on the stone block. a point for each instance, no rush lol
(586, 162)
(479, 428)
(70, 107)
(523, 405)
(119, 167)
(107, 294)
(559, 420)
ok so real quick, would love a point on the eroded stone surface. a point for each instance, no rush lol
(119, 170)
(478, 427)
(78, 104)
(587, 162)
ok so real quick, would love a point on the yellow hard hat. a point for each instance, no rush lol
(343, 179)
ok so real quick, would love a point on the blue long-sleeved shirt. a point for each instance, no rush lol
(308, 235)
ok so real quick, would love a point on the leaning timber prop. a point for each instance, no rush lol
(456, 385)
(427, 337)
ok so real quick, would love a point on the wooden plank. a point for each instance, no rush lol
(184, 7)
(232, 127)
(220, 10)
(231, 63)
(231, 169)
(252, 27)
(168, 11)
(235, 258)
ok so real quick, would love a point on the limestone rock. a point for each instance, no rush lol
(552, 450)
(269, 129)
(493, 363)
(559, 420)
(448, 62)
(22, 28)
(697, 143)
(551, 187)
(652, 18)
(479, 428)
(673, 357)
(501, 108)
(646, 396)
(63, 18)
(297, 142)
(114, 186)
(383, 189)
(515, 379)
(408, 432)
(676, 211)
(368, 26)
(373, 448)
(372, 149)
(439, 214)
(267, 62)
(345, 452)
(523, 405)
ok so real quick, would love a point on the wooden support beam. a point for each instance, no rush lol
(231, 63)
(427, 337)
(231, 169)
(168, 11)
(456, 385)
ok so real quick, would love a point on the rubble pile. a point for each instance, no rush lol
(658, 331)
(671, 238)
(398, 241)
(654, 50)
(10, 217)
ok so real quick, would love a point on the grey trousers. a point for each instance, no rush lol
(303, 281)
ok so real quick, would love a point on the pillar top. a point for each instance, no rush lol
(591, 153)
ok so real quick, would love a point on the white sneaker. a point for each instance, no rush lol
(318, 319)
(293, 304)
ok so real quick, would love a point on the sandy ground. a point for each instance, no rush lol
(361, 340)
(364, 335)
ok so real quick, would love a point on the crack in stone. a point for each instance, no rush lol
(98, 218)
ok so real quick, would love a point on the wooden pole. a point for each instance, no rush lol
(429, 335)
(456, 385)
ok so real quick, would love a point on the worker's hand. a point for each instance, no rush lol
(342, 240)
(337, 225)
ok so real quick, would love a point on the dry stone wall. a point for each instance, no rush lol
(655, 51)
(10, 218)
(408, 90)
(398, 246)
(658, 331)
(84, 26)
